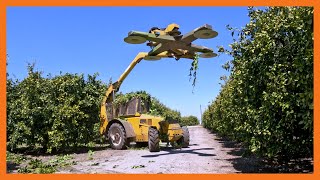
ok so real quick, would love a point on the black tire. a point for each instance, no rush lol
(153, 140)
(117, 136)
(186, 137)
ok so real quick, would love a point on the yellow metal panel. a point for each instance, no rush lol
(144, 134)
(170, 27)
(141, 129)
(174, 132)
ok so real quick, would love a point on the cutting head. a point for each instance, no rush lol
(208, 55)
(168, 42)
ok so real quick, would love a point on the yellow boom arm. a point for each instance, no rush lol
(113, 88)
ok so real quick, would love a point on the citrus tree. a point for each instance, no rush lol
(52, 113)
(62, 112)
(189, 121)
(267, 101)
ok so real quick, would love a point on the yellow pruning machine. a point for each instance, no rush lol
(130, 122)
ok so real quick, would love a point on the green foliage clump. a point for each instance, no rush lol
(156, 107)
(16, 158)
(90, 154)
(189, 121)
(61, 161)
(267, 101)
(37, 166)
(52, 113)
(159, 109)
(125, 98)
(193, 70)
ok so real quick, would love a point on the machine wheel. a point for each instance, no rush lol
(153, 140)
(117, 136)
(186, 137)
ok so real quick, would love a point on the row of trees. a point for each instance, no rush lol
(189, 121)
(53, 113)
(267, 101)
(62, 112)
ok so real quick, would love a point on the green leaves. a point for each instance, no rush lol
(54, 112)
(267, 101)
(125, 98)
(193, 70)
(189, 121)
(159, 109)
(37, 166)
(156, 107)
(62, 112)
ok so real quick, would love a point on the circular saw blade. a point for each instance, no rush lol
(208, 55)
(205, 34)
(135, 40)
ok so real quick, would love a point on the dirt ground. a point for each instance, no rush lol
(207, 154)
(204, 155)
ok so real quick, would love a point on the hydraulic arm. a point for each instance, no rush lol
(113, 88)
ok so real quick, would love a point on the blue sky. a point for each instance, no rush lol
(90, 39)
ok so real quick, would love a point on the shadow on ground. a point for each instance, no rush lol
(12, 166)
(248, 163)
(170, 151)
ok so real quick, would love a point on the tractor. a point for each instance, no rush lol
(130, 122)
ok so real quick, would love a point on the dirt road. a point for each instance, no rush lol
(206, 154)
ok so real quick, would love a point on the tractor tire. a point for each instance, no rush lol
(153, 140)
(186, 137)
(117, 136)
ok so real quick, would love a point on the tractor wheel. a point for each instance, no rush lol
(186, 137)
(153, 140)
(117, 136)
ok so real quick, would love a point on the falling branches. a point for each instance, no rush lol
(193, 70)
